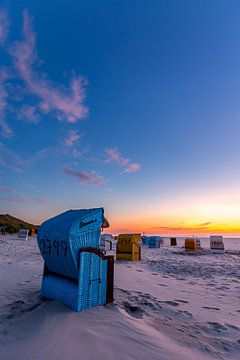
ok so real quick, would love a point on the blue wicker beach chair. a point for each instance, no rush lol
(154, 242)
(145, 240)
(76, 272)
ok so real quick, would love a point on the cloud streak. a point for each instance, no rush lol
(6, 189)
(4, 26)
(132, 167)
(65, 103)
(5, 129)
(202, 226)
(9, 159)
(24, 199)
(72, 138)
(113, 155)
(28, 113)
(86, 177)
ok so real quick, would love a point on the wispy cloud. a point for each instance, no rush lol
(65, 103)
(193, 228)
(4, 26)
(29, 185)
(86, 177)
(43, 153)
(113, 155)
(206, 224)
(28, 113)
(9, 159)
(6, 189)
(15, 199)
(72, 138)
(24, 199)
(40, 201)
(132, 167)
(5, 129)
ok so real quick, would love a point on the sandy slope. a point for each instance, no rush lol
(168, 306)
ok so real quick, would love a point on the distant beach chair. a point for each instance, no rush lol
(106, 241)
(173, 241)
(23, 234)
(198, 242)
(76, 272)
(216, 244)
(128, 247)
(154, 242)
(190, 244)
(145, 240)
(32, 232)
(161, 241)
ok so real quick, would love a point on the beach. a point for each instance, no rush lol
(169, 305)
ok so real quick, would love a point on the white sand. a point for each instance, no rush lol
(168, 306)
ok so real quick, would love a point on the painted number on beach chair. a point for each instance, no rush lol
(59, 247)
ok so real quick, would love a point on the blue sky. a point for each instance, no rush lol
(129, 105)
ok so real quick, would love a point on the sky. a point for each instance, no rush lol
(132, 106)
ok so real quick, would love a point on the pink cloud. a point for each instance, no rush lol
(28, 113)
(5, 188)
(67, 104)
(132, 167)
(4, 26)
(40, 201)
(15, 199)
(114, 155)
(24, 199)
(72, 138)
(9, 159)
(87, 177)
(76, 153)
(47, 152)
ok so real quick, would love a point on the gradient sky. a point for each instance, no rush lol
(130, 105)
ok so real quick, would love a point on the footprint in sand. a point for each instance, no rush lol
(139, 270)
(210, 308)
(169, 302)
(185, 314)
(222, 288)
(25, 282)
(154, 274)
(133, 310)
(233, 327)
(217, 327)
(163, 285)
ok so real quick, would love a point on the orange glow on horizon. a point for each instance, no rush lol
(183, 228)
(189, 216)
(175, 230)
